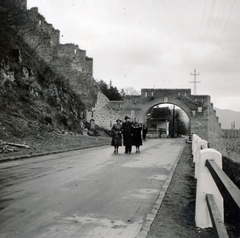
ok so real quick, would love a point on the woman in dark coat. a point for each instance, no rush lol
(137, 137)
(116, 135)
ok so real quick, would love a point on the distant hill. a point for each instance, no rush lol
(226, 117)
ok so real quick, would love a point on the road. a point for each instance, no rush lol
(85, 193)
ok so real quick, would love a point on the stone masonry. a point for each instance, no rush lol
(66, 60)
(202, 116)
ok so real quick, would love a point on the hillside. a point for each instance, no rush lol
(35, 99)
(227, 117)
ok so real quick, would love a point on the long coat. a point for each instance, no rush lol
(116, 135)
(136, 131)
(127, 133)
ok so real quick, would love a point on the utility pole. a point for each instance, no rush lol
(195, 81)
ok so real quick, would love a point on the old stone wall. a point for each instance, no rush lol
(105, 112)
(229, 144)
(199, 109)
(202, 115)
(231, 133)
(44, 38)
(225, 141)
(196, 107)
(68, 61)
(214, 127)
(230, 148)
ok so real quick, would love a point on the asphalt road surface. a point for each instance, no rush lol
(85, 193)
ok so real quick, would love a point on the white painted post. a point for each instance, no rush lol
(194, 141)
(199, 145)
(206, 184)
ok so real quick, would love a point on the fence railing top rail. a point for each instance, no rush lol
(227, 188)
(216, 219)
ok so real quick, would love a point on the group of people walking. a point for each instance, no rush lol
(130, 132)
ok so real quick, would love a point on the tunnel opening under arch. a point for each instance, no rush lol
(166, 120)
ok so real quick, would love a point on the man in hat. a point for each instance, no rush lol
(127, 135)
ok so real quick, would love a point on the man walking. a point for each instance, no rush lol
(127, 135)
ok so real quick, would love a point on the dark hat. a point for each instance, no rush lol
(118, 120)
(126, 117)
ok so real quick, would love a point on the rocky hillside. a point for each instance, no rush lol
(34, 99)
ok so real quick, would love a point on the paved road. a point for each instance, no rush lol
(85, 193)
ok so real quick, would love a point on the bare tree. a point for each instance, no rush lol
(129, 91)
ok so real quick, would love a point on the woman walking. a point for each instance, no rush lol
(117, 135)
(137, 138)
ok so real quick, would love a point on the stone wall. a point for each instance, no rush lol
(225, 141)
(105, 112)
(44, 38)
(230, 148)
(231, 133)
(199, 109)
(196, 107)
(66, 60)
(213, 126)
(229, 144)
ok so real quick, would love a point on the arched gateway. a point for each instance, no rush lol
(202, 117)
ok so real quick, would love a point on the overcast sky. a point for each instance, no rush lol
(156, 43)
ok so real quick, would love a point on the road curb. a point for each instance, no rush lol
(152, 214)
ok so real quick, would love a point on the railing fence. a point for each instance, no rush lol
(214, 187)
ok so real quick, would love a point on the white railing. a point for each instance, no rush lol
(213, 185)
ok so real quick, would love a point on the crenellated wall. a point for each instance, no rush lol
(229, 144)
(231, 133)
(38, 24)
(44, 39)
(67, 60)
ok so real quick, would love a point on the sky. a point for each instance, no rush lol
(156, 43)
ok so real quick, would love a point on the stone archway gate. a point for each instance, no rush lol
(202, 117)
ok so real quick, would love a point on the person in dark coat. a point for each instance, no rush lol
(137, 138)
(127, 135)
(116, 135)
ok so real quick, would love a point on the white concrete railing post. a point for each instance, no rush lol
(200, 144)
(195, 138)
(206, 184)
(193, 143)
